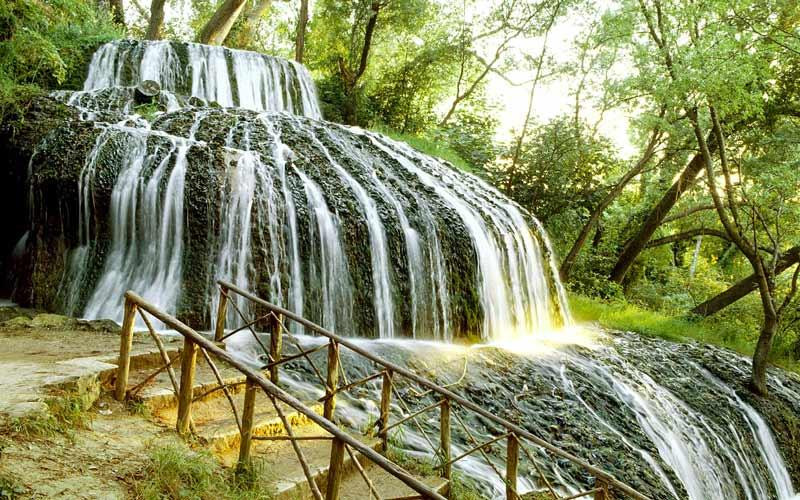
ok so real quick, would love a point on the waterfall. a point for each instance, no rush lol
(650, 411)
(381, 274)
(422, 250)
(215, 74)
(711, 457)
(146, 214)
(524, 296)
(369, 238)
(329, 265)
(234, 256)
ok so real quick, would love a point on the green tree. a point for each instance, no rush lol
(559, 168)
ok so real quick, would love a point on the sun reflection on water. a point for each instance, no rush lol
(544, 342)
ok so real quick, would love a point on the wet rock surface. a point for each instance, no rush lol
(670, 420)
(414, 233)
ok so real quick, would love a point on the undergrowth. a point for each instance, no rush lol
(138, 408)
(430, 147)
(10, 489)
(177, 472)
(621, 315)
(66, 412)
(46, 45)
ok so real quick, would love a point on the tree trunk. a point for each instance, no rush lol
(117, 11)
(217, 28)
(300, 41)
(743, 287)
(156, 20)
(636, 244)
(759, 378)
(572, 256)
(350, 105)
(350, 78)
(695, 257)
(251, 18)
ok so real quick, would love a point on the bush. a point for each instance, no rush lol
(430, 147)
(47, 45)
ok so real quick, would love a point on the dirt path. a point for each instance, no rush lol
(96, 463)
(41, 351)
(45, 353)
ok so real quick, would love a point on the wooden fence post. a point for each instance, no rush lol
(512, 464)
(188, 364)
(275, 346)
(222, 312)
(444, 432)
(250, 392)
(333, 380)
(335, 471)
(125, 346)
(602, 494)
(386, 400)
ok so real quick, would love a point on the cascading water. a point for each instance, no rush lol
(369, 238)
(215, 74)
(618, 401)
(429, 252)
(329, 273)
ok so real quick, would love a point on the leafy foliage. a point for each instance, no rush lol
(47, 45)
(560, 168)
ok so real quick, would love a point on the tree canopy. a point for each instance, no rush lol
(697, 215)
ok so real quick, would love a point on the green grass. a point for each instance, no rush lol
(10, 488)
(66, 412)
(177, 472)
(429, 147)
(620, 315)
(138, 408)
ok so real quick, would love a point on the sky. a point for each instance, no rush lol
(554, 96)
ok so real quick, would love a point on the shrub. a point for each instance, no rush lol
(47, 45)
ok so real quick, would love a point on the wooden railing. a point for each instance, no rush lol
(341, 442)
(517, 439)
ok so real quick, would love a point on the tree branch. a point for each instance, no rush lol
(687, 235)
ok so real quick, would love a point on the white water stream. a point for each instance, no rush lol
(298, 198)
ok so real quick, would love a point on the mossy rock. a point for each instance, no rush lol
(18, 322)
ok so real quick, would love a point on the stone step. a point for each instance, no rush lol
(354, 487)
(215, 423)
(277, 459)
(159, 393)
(216, 428)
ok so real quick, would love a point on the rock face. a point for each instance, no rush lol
(670, 420)
(359, 233)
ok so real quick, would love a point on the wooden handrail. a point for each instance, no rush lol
(351, 384)
(476, 448)
(413, 415)
(521, 433)
(195, 340)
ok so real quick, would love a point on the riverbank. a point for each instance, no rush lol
(607, 400)
(620, 315)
